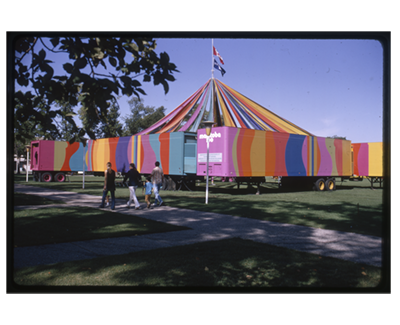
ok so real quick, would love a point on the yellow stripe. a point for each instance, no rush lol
(257, 154)
(346, 155)
(375, 159)
(102, 154)
(87, 154)
(139, 153)
(227, 118)
(331, 149)
(94, 155)
(59, 154)
(255, 117)
(234, 153)
(282, 123)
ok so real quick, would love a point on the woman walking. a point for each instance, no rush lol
(134, 181)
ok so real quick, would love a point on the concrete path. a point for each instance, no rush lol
(205, 226)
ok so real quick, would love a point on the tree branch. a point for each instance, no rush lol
(27, 51)
(49, 48)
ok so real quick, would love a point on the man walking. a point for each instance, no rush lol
(134, 181)
(109, 186)
(157, 178)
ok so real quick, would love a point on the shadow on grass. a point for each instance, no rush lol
(225, 264)
(24, 199)
(58, 225)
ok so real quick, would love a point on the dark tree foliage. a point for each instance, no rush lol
(26, 132)
(98, 70)
(64, 127)
(141, 117)
(110, 125)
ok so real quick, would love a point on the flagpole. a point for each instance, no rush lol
(212, 58)
(212, 77)
(209, 124)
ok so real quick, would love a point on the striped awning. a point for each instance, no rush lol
(228, 107)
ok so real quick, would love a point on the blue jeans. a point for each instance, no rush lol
(112, 199)
(157, 197)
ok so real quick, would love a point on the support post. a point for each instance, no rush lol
(84, 162)
(208, 152)
(27, 162)
(208, 125)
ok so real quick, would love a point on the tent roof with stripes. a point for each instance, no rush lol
(226, 107)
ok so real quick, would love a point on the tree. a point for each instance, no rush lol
(110, 125)
(337, 137)
(89, 123)
(64, 127)
(141, 116)
(26, 132)
(85, 80)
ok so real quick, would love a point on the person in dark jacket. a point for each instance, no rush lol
(109, 186)
(134, 181)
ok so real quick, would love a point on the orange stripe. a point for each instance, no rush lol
(270, 156)
(248, 137)
(164, 151)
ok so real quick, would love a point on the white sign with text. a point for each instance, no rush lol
(213, 157)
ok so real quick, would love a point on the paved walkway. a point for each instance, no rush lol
(205, 226)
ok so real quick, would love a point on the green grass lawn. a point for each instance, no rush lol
(57, 225)
(350, 208)
(353, 207)
(232, 263)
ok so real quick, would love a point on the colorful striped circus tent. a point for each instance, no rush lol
(229, 108)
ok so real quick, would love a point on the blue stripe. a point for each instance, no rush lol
(155, 145)
(76, 160)
(294, 157)
(135, 150)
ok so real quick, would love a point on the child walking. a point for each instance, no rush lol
(148, 187)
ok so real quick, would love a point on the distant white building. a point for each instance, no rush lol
(20, 163)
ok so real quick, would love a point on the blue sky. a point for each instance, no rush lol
(327, 87)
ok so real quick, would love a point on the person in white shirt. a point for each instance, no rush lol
(157, 178)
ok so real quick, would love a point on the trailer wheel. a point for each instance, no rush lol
(319, 185)
(330, 184)
(47, 177)
(60, 177)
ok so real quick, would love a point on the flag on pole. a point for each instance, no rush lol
(217, 54)
(218, 67)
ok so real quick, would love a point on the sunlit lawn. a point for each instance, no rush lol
(232, 263)
(351, 208)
